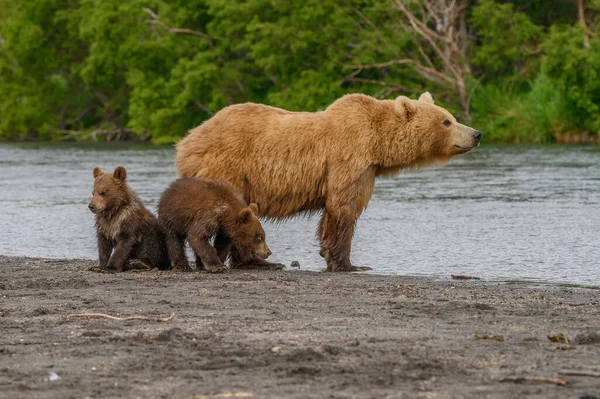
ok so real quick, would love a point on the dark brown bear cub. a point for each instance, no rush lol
(124, 224)
(199, 209)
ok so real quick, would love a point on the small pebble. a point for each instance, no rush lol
(295, 263)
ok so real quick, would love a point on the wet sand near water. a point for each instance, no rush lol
(288, 334)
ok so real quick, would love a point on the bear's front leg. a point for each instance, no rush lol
(349, 191)
(121, 255)
(105, 248)
(257, 264)
(336, 243)
(208, 254)
(251, 262)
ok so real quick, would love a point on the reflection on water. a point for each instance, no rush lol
(501, 212)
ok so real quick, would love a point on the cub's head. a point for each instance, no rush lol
(434, 132)
(250, 236)
(110, 190)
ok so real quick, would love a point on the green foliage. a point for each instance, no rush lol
(538, 114)
(576, 70)
(39, 93)
(499, 53)
(156, 68)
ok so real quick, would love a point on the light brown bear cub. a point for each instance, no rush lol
(198, 210)
(124, 224)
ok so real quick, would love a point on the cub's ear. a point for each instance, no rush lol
(254, 208)
(97, 172)
(120, 173)
(245, 215)
(405, 107)
(426, 97)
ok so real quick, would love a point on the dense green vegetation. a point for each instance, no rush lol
(521, 71)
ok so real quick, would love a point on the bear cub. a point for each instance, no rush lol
(198, 210)
(124, 224)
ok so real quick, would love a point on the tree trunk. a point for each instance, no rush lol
(581, 13)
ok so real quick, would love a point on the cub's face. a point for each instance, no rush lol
(250, 238)
(439, 134)
(109, 190)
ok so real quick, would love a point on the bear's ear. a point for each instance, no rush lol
(97, 172)
(120, 173)
(254, 208)
(405, 107)
(426, 97)
(245, 215)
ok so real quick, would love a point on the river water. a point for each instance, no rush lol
(529, 213)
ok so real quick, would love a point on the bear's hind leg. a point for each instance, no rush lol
(177, 252)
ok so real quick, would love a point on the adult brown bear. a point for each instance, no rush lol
(291, 162)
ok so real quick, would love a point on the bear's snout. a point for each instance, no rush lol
(264, 252)
(477, 136)
(92, 207)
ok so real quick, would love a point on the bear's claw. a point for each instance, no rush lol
(216, 268)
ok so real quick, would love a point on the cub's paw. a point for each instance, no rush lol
(138, 265)
(216, 267)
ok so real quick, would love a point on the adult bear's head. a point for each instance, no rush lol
(433, 130)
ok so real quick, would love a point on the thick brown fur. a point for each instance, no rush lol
(291, 162)
(198, 210)
(125, 225)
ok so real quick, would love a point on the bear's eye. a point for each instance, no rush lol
(447, 122)
(102, 193)
(258, 238)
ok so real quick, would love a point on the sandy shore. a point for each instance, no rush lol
(288, 334)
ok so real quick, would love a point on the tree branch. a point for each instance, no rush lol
(203, 107)
(444, 44)
(156, 21)
(381, 65)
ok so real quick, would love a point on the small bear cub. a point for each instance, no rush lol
(198, 210)
(124, 224)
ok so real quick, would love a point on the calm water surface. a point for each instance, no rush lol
(500, 212)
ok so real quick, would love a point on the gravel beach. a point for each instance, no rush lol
(289, 334)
